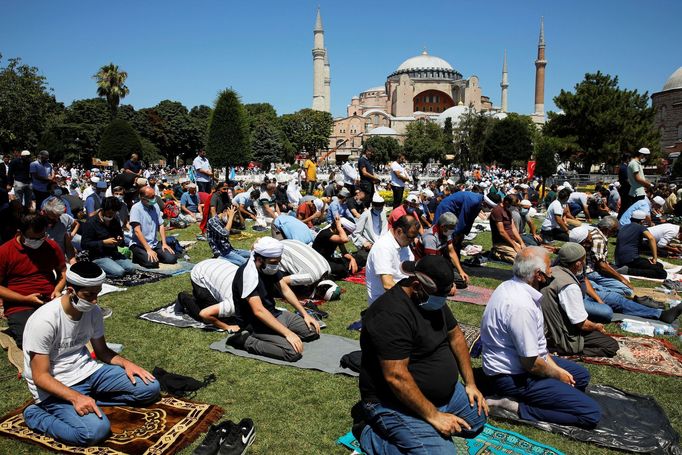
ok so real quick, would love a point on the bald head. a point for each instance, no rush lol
(148, 192)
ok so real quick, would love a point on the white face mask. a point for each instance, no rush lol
(107, 218)
(34, 244)
(270, 269)
(448, 233)
(82, 305)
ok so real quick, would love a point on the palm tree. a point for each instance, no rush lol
(111, 85)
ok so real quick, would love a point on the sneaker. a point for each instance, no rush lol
(214, 438)
(648, 301)
(239, 439)
(201, 238)
(106, 312)
(674, 285)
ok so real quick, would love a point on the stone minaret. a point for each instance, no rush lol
(540, 63)
(504, 84)
(327, 83)
(319, 53)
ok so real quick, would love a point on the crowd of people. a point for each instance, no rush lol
(65, 230)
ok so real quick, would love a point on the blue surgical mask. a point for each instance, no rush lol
(376, 212)
(433, 303)
(524, 212)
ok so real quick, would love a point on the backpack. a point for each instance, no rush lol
(171, 210)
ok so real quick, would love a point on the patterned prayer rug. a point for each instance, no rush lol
(358, 278)
(643, 355)
(491, 440)
(14, 354)
(472, 294)
(136, 278)
(163, 428)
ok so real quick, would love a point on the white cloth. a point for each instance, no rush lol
(384, 258)
(350, 174)
(364, 229)
(555, 209)
(571, 300)
(512, 327)
(664, 233)
(294, 192)
(304, 262)
(397, 168)
(578, 197)
(52, 332)
(216, 276)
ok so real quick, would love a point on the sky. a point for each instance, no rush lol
(189, 51)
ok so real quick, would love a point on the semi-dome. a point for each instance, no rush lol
(454, 113)
(674, 81)
(424, 61)
(379, 88)
(382, 131)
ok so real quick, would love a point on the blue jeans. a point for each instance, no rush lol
(109, 386)
(390, 431)
(550, 400)
(619, 304)
(237, 257)
(575, 208)
(608, 284)
(115, 268)
(597, 312)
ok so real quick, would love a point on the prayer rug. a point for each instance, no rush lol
(163, 428)
(358, 278)
(323, 354)
(492, 440)
(488, 272)
(178, 268)
(643, 355)
(629, 422)
(168, 315)
(108, 289)
(14, 354)
(136, 278)
(472, 294)
(472, 335)
(655, 294)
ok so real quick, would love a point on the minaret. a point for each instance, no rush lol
(540, 63)
(319, 52)
(327, 83)
(504, 84)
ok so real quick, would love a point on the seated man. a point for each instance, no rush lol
(539, 387)
(522, 218)
(505, 237)
(244, 203)
(667, 237)
(266, 330)
(338, 207)
(190, 206)
(333, 237)
(218, 237)
(371, 225)
(310, 210)
(94, 200)
(554, 227)
(211, 300)
(68, 385)
(102, 235)
(60, 227)
(146, 221)
(567, 327)
(408, 207)
(356, 204)
(629, 245)
(598, 203)
(577, 202)
(409, 338)
(437, 240)
(32, 272)
(289, 227)
(302, 266)
(267, 209)
(597, 269)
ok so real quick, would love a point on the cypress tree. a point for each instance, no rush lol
(118, 141)
(228, 132)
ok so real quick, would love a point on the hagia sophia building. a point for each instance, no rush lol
(423, 87)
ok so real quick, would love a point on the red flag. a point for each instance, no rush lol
(531, 169)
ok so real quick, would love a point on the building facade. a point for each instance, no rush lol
(668, 105)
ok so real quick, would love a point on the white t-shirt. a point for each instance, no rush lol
(578, 198)
(384, 258)
(571, 300)
(555, 209)
(242, 198)
(397, 167)
(350, 174)
(664, 233)
(201, 163)
(216, 275)
(52, 332)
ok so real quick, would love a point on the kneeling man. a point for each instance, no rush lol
(515, 356)
(412, 354)
(67, 384)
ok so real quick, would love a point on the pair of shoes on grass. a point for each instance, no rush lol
(228, 438)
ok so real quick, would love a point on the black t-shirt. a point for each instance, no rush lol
(363, 162)
(351, 203)
(220, 201)
(134, 166)
(267, 289)
(124, 179)
(628, 243)
(395, 328)
(323, 243)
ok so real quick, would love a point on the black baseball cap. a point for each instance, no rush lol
(430, 270)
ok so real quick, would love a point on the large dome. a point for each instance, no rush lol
(424, 61)
(674, 81)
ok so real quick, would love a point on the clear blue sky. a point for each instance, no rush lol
(188, 51)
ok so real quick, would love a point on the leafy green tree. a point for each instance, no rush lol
(200, 115)
(307, 129)
(228, 132)
(150, 151)
(181, 135)
(26, 105)
(111, 85)
(509, 139)
(259, 112)
(266, 143)
(448, 138)
(603, 120)
(384, 148)
(118, 141)
(424, 142)
(470, 136)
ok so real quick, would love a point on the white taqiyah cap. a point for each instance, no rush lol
(644, 151)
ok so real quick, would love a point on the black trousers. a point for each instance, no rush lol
(555, 234)
(398, 192)
(40, 197)
(204, 187)
(17, 323)
(642, 267)
(595, 344)
(140, 257)
(368, 188)
(200, 299)
(339, 266)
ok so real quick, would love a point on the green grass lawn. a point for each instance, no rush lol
(295, 411)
